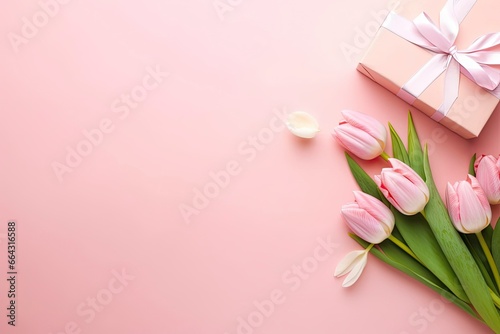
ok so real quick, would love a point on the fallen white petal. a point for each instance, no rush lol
(356, 271)
(302, 124)
(348, 262)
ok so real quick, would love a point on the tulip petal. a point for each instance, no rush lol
(378, 182)
(477, 162)
(367, 124)
(348, 262)
(488, 176)
(473, 218)
(302, 124)
(453, 205)
(480, 194)
(356, 271)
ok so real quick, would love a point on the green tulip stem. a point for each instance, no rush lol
(405, 248)
(369, 247)
(495, 298)
(385, 156)
(491, 262)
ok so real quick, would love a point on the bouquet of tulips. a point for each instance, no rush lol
(400, 218)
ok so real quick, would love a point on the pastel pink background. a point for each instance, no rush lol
(119, 209)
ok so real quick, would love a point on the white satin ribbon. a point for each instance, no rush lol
(474, 62)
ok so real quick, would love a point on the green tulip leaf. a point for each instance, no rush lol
(477, 252)
(458, 255)
(364, 181)
(488, 235)
(419, 237)
(495, 244)
(397, 254)
(418, 276)
(415, 152)
(472, 162)
(398, 148)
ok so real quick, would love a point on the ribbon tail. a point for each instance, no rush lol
(495, 92)
(421, 80)
(451, 89)
(460, 8)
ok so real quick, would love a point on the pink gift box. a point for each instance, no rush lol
(392, 60)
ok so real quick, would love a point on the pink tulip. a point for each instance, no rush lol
(403, 188)
(368, 218)
(361, 134)
(488, 175)
(468, 206)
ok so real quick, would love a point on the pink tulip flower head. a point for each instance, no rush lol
(368, 218)
(468, 206)
(361, 135)
(488, 175)
(403, 188)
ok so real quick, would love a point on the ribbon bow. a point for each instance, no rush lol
(474, 62)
